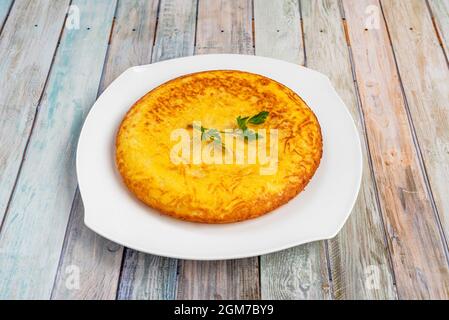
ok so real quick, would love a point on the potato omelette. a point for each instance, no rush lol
(166, 141)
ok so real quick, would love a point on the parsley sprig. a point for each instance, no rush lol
(208, 134)
(256, 119)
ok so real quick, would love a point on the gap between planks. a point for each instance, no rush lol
(365, 138)
(416, 143)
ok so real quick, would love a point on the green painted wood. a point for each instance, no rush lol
(27, 43)
(99, 260)
(359, 261)
(33, 232)
(5, 6)
(300, 272)
(146, 276)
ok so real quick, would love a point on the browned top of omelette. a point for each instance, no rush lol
(218, 192)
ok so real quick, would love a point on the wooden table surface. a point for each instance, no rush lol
(388, 59)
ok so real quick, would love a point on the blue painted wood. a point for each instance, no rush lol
(27, 43)
(97, 259)
(5, 5)
(33, 232)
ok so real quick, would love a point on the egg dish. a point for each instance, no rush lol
(186, 148)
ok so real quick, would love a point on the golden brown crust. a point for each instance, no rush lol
(216, 193)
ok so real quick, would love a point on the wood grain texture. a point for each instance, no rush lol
(33, 247)
(219, 280)
(222, 27)
(146, 276)
(355, 257)
(175, 36)
(297, 273)
(300, 272)
(425, 76)
(278, 30)
(89, 268)
(418, 254)
(440, 11)
(27, 43)
(99, 260)
(5, 6)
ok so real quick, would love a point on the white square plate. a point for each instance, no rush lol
(317, 213)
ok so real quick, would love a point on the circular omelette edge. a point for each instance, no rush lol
(216, 193)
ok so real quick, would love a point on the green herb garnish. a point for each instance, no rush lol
(248, 134)
(256, 119)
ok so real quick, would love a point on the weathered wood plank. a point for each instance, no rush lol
(175, 36)
(36, 221)
(97, 259)
(84, 265)
(418, 255)
(440, 11)
(146, 276)
(300, 272)
(219, 280)
(278, 30)
(27, 43)
(354, 255)
(425, 77)
(5, 6)
(222, 27)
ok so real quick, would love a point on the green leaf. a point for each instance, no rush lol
(259, 118)
(241, 122)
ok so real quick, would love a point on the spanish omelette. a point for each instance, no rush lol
(213, 192)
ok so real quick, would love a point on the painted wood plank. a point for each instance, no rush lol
(175, 36)
(5, 6)
(440, 11)
(97, 259)
(147, 276)
(35, 224)
(222, 27)
(300, 272)
(27, 43)
(82, 272)
(418, 255)
(359, 261)
(425, 77)
(277, 28)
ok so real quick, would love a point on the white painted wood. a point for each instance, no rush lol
(27, 44)
(98, 259)
(278, 30)
(425, 78)
(353, 255)
(5, 6)
(440, 11)
(175, 36)
(417, 249)
(33, 231)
